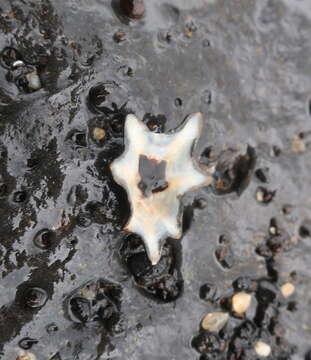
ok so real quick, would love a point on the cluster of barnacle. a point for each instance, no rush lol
(245, 322)
(23, 74)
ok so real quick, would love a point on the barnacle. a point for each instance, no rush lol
(156, 170)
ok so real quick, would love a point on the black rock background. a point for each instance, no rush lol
(246, 65)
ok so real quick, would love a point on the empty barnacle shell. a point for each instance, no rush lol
(156, 170)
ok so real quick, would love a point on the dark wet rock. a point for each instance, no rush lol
(244, 283)
(8, 57)
(35, 298)
(155, 123)
(308, 355)
(163, 281)
(95, 301)
(233, 170)
(20, 196)
(244, 337)
(305, 228)
(3, 189)
(3, 153)
(262, 175)
(45, 239)
(264, 251)
(98, 95)
(111, 150)
(292, 306)
(266, 293)
(187, 218)
(208, 292)
(207, 343)
(225, 301)
(161, 59)
(27, 343)
(266, 297)
(84, 219)
(115, 119)
(134, 9)
(34, 162)
(275, 328)
(109, 210)
(80, 308)
(277, 242)
(224, 253)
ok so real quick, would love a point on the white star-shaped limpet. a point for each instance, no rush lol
(156, 170)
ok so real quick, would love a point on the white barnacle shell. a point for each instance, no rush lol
(156, 170)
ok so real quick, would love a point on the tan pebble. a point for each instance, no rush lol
(188, 34)
(262, 349)
(99, 133)
(298, 144)
(241, 302)
(214, 322)
(259, 196)
(287, 289)
(25, 355)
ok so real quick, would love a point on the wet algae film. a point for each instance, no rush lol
(73, 284)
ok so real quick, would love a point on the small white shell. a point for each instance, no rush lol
(18, 63)
(34, 81)
(157, 216)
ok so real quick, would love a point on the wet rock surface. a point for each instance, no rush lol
(71, 285)
(163, 281)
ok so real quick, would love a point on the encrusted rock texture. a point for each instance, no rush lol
(74, 285)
